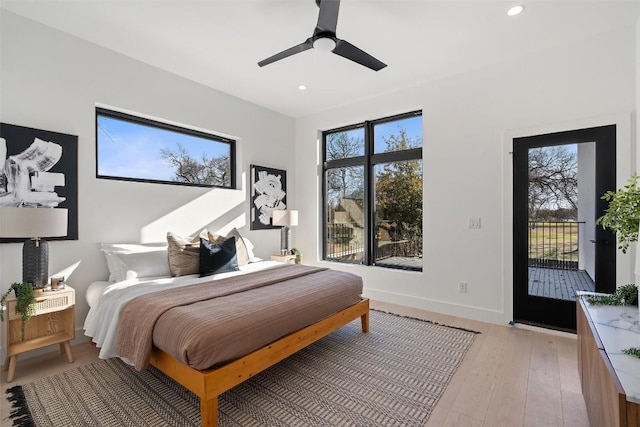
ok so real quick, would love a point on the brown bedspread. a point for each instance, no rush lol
(214, 322)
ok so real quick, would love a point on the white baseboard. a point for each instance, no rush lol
(474, 313)
(469, 312)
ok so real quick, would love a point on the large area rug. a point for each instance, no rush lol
(391, 376)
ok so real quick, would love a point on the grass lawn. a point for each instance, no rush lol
(553, 240)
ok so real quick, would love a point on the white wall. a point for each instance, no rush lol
(467, 165)
(586, 207)
(50, 80)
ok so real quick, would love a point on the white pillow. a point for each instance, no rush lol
(141, 264)
(110, 248)
(249, 247)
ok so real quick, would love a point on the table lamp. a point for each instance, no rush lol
(38, 223)
(286, 219)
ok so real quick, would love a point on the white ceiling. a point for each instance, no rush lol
(218, 43)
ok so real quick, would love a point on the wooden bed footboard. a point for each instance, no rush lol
(211, 383)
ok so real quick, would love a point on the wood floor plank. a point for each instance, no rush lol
(567, 346)
(574, 410)
(441, 412)
(457, 419)
(473, 398)
(569, 375)
(507, 403)
(543, 406)
(490, 358)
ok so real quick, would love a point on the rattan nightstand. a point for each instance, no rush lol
(52, 323)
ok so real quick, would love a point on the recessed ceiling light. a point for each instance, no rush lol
(515, 10)
(302, 87)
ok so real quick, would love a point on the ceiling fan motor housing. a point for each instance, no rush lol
(324, 38)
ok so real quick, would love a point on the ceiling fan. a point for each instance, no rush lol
(324, 38)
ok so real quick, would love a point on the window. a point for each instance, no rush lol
(373, 193)
(139, 149)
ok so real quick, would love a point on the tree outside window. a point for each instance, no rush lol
(373, 193)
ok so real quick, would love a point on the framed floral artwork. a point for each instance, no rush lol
(268, 193)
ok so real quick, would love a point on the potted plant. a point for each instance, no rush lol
(625, 294)
(623, 217)
(298, 254)
(623, 214)
(25, 303)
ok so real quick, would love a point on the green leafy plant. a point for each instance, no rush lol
(626, 294)
(633, 351)
(25, 303)
(298, 254)
(623, 214)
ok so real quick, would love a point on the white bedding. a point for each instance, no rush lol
(94, 291)
(101, 323)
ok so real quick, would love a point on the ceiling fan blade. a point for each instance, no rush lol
(308, 44)
(328, 16)
(349, 51)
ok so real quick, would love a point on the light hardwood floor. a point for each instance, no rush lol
(510, 377)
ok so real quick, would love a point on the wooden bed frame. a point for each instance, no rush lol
(211, 383)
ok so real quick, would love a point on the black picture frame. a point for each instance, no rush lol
(19, 138)
(268, 192)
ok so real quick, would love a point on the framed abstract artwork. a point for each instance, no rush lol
(39, 168)
(268, 192)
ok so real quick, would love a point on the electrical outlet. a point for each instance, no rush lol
(474, 223)
(462, 287)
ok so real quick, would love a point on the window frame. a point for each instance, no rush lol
(143, 121)
(369, 160)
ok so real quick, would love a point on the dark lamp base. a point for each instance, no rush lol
(35, 262)
(285, 240)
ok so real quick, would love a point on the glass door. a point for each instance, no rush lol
(558, 249)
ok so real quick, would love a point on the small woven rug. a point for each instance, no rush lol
(391, 376)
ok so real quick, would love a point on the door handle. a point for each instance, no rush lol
(599, 242)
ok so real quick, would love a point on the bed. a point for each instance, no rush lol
(250, 320)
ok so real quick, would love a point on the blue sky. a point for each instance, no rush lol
(133, 150)
(413, 126)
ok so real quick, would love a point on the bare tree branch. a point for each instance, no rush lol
(206, 171)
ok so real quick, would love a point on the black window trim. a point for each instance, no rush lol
(368, 161)
(105, 112)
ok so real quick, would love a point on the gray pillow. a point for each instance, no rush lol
(184, 254)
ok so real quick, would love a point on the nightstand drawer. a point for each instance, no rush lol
(46, 302)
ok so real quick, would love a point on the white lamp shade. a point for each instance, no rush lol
(285, 218)
(33, 222)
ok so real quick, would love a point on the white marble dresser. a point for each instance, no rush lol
(610, 378)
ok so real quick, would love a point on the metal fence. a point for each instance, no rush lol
(345, 241)
(554, 244)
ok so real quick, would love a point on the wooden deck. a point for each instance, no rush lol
(407, 263)
(558, 284)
